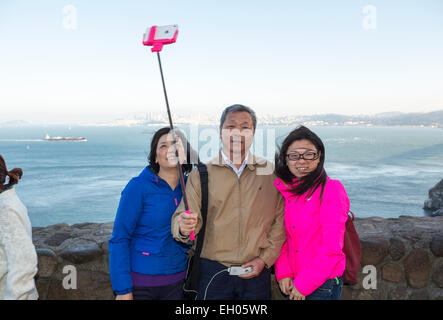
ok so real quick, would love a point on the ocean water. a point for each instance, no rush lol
(386, 171)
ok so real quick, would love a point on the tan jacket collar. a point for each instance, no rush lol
(253, 161)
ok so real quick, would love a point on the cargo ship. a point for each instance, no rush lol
(48, 138)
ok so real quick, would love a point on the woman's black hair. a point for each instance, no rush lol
(314, 179)
(191, 155)
(14, 175)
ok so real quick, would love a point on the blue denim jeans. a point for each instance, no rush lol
(226, 287)
(329, 290)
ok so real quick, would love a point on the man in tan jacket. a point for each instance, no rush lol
(245, 221)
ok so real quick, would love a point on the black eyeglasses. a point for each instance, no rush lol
(306, 156)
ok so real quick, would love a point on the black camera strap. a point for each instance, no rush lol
(193, 273)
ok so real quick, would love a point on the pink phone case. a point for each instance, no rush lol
(157, 44)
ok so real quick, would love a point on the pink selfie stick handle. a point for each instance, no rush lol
(192, 236)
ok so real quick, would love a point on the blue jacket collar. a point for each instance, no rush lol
(149, 174)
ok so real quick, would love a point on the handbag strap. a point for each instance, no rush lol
(203, 171)
(352, 216)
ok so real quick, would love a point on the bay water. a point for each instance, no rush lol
(386, 171)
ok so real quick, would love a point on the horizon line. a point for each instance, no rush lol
(119, 117)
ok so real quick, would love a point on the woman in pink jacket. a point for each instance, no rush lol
(312, 261)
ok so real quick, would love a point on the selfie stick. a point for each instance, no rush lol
(157, 37)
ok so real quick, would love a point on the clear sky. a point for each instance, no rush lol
(84, 59)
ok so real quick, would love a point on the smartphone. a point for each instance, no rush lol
(238, 270)
(157, 36)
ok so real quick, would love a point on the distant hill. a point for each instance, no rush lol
(414, 119)
(428, 119)
(14, 123)
(434, 118)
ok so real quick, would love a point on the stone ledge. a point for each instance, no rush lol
(407, 253)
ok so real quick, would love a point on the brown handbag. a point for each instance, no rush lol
(352, 251)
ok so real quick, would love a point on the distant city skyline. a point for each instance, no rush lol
(432, 119)
(77, 61)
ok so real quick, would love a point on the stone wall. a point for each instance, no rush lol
(406, 252)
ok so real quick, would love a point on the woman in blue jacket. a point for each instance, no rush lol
(145, 262)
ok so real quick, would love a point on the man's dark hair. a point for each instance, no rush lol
(238, 108)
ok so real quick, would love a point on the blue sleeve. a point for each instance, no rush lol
(128, 212)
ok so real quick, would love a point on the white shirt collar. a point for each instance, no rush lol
(238, 171)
